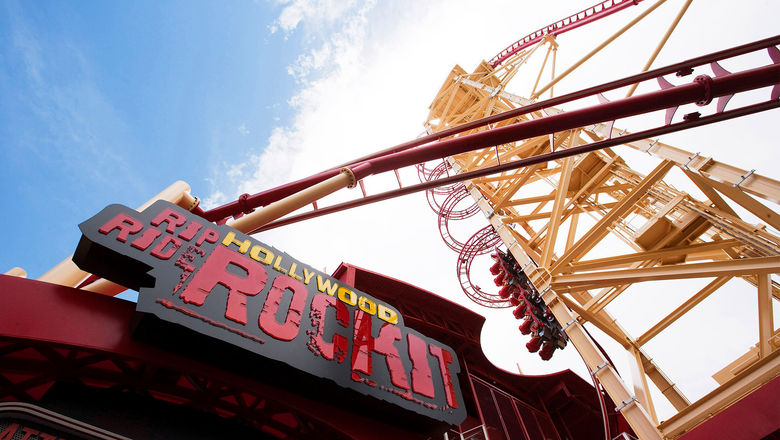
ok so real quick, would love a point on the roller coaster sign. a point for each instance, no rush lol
(218, 282)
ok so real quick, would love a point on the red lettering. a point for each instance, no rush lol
(189, 232)
(338, 347)
(28, 432)
(445, 359)
(362, 345)
(422, 381)
(287, 330)
(45, 436)
(385, 345)
(209, 235)
(171, 217)
(9, 431)
(160, 250)
(214, 271)
(146, 240)
(126, 225)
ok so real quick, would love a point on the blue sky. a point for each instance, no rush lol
(110, 102)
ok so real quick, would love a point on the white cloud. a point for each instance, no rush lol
(272, 166)
(236, 170)
(338, 51)
(316, 15)
(243, 130)
(216, 198)
(306, 62)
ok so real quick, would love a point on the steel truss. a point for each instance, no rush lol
(673, 235)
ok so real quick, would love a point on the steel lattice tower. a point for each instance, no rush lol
(557, 219)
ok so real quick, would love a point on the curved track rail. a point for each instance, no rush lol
(481, 243)
(589, 15)
(448, 213)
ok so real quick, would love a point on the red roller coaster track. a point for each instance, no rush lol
(247, 202)
(573, 21)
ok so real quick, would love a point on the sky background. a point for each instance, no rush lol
(110, 102)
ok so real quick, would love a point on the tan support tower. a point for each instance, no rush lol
(562, 220)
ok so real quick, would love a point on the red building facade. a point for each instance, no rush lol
(74, 353)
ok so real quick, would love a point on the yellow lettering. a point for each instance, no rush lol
(326, 285)
(351, 300)
(307, 276)
(367, 305)
(255, 254)
(277, 263)
(292, 272)
(386, 314)
(230, 238)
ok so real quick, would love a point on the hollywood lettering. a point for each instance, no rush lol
(219, 282)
